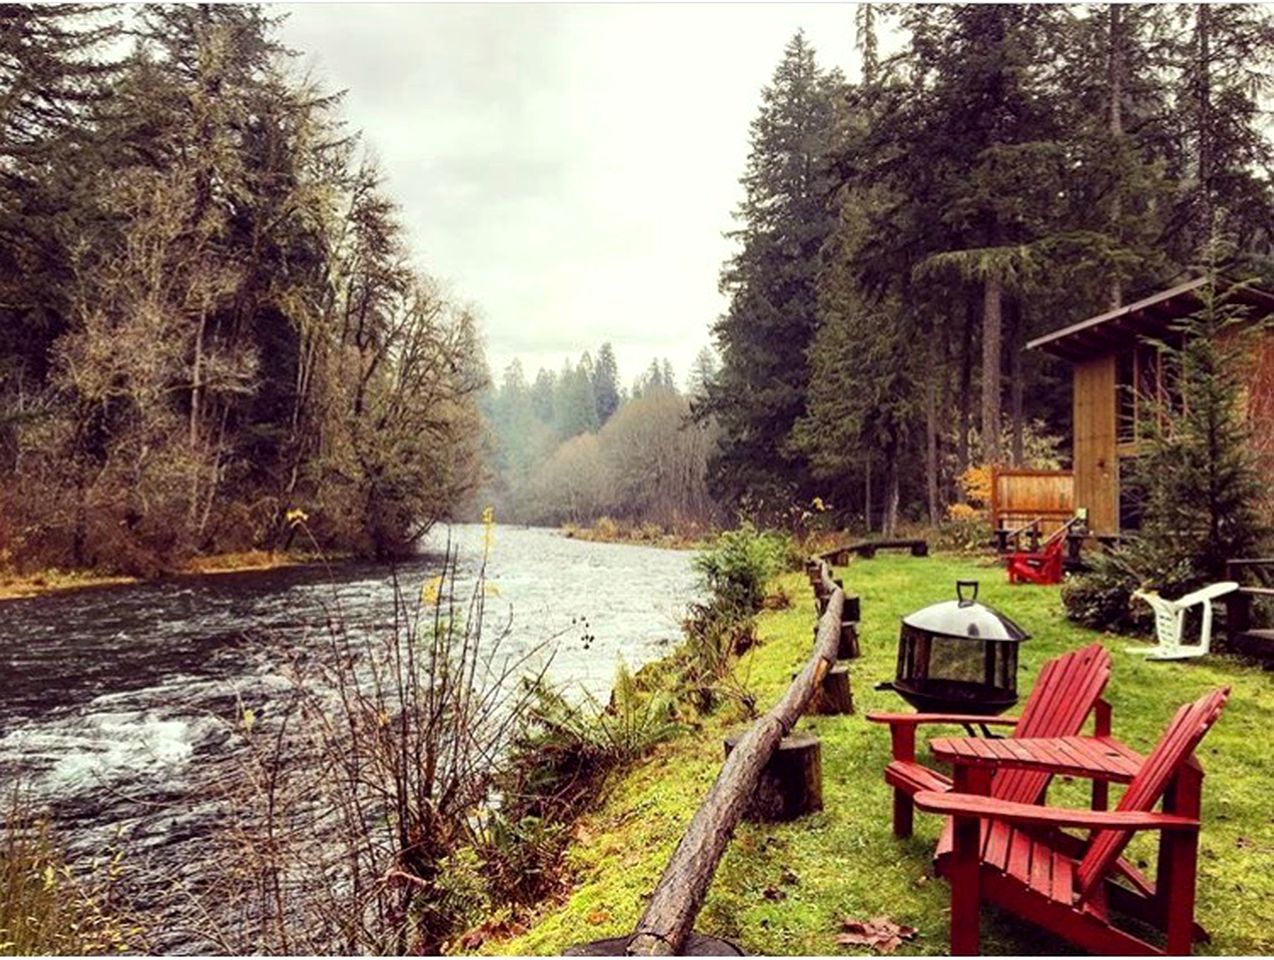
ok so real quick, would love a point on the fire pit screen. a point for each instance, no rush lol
(959, 656)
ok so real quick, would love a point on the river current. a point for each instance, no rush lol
(117, 701)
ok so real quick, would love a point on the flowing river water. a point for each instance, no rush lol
(117, 700)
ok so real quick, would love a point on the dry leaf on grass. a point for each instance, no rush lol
(880, 933)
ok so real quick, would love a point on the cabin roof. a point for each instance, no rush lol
(1108, 332)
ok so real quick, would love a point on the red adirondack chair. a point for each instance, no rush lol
(1043, 566)
(1068, 688)
(1017, 855)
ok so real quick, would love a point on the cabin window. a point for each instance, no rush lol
(1141, 382)
(1125, 380)
(1132, 495)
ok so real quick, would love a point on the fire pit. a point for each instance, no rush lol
(958, 656)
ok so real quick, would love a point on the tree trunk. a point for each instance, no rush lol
(889, 522)
(1017, 384)
(992, 333)
(1115, 65)
(931, 453)
(966, 388)
(867, 496)
(1203, 30)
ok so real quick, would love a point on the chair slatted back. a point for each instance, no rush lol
(1064, 694)
(1174, 748)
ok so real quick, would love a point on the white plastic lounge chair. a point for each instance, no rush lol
(1170, 620)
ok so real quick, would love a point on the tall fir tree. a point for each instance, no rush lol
(759, 393)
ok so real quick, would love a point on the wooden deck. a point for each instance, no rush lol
(1243, 635)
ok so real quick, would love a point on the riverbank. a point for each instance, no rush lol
(14, 586)
(606, 530)
(785, 888)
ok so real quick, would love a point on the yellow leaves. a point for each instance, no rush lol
(961, 511)
(49, 877)
(488, 530)
(249, 719)
(296, 516)
(975, 482)
(431, 591)
(817, 504)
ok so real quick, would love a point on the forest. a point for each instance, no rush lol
(1007, 170)
(212, 322)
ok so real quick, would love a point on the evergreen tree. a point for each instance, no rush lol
(606, 383)
(1197, 467)
(771, 283)
(702, 373)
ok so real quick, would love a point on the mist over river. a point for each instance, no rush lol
(118, 702)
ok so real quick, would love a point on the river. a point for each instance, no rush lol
(116, 699)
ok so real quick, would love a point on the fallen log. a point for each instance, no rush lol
(671, 912)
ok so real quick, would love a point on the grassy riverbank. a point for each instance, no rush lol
(783, 889)
(16, 585)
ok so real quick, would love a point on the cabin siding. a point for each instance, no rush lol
(1096, 461)
(1260, 410)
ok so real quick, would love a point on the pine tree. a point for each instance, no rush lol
(771, 282)
(606, 383)
(1197, 467)
(703, 372)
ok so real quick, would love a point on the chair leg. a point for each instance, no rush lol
(1182, 852)
(1205, 635)
(966, 901)
(904, 814)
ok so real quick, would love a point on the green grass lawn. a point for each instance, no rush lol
(782, 889)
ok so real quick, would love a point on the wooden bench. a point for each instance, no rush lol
(867, 549)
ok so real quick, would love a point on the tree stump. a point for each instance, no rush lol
(852, 609)
(920, 548)
(791, 784)
(847, 648)
(697, 945)
(835, 696)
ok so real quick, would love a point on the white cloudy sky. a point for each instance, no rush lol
(568, 168)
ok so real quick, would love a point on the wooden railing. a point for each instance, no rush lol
(669, 917)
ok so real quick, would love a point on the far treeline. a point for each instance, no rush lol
(575, 446)
(1010, 169)
(210, 323)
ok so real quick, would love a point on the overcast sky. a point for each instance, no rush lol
(569, 169)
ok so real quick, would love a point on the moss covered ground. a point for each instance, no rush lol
(783, 889)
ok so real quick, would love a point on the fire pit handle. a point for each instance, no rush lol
(960, 585)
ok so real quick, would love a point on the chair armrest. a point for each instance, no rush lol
(916, 719)
(1029, 814)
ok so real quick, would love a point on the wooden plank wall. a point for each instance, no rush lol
(1020, 496)
(1096, 461)
(1260, 411)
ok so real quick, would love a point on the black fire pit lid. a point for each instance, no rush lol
(965, 618)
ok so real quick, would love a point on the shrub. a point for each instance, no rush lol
(1101, 598)
(45, 908)
(357, 792)
(964, 529)
(737, 566)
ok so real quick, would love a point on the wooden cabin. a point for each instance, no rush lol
(1113, 365)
